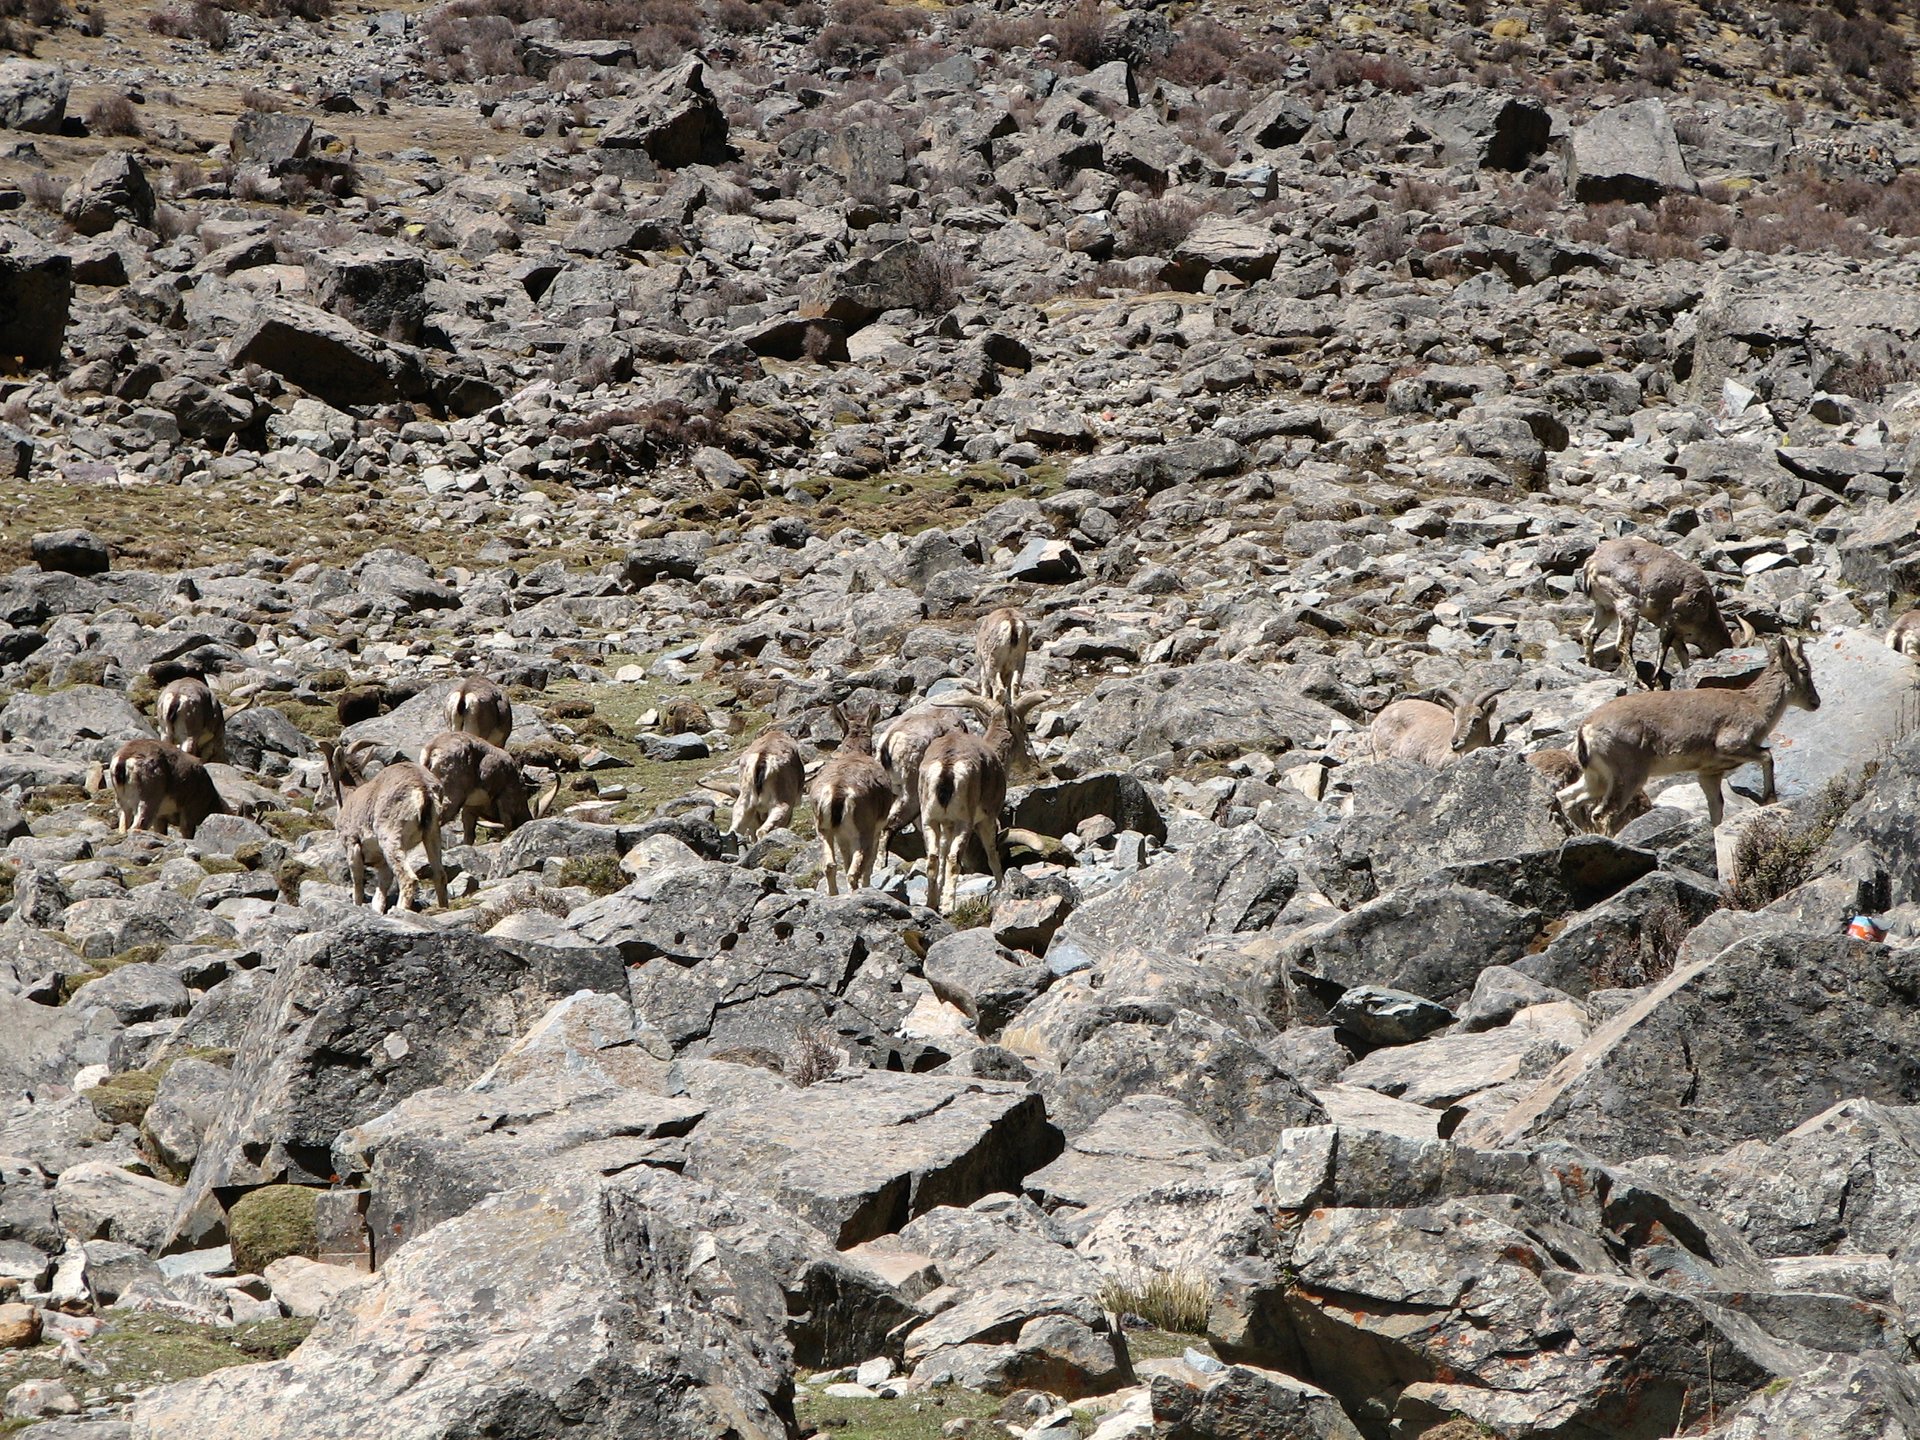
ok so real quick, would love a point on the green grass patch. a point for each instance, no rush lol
(141, 1350)
(971, 913)
(911, 1417)
(319, 721)
(609, 716)
(599, 873)
(1163, 1344)
(292, 823)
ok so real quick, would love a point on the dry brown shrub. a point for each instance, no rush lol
(113, 115)
(200, 20)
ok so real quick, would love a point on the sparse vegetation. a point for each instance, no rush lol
(810, 1059)
(1775, 853)
(201, 20)
(922, 1416)
(113, 115)
(599, 873)
(971, 913)
(1166, 1300)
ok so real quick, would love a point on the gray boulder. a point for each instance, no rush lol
(590, 1309)
(440, 1151)
(72, 552)
(1483, 127)
(973, 971)
(113, 190)
(1216, 706)
(1745, 1044)
(36, 295)
(1143, 1142)
(328, 357)
(1235, 1401)
(1488, 804)
(1231, 882)
(1627, 153)
(802, 965)
(81, 722)
(676, 120)
(1432, 938)
(185, 1108)
(1026, 1311)
(1126, 1047)
(1850, 1397)
(1846, 1180)
(358, 1018)
(33, 96)
(861, 1153)
(1059, 807)
(382, 290)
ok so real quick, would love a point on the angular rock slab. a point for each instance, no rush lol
(1243, 1401)
(1231, 882)
(1025, 1313)
(1629, 153)
(860, 1154)
(587, 1309)
(440, 1152)
(362, 1017)
(1744, 1045)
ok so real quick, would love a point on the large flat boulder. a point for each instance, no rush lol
(861, 1153)
(1216, 705)
(360, 1017)
(1628, 153)
(1231, 882)
(588, 1309)
(441, 1151)
(328, 357)
(81, 722)
(1743, 1045)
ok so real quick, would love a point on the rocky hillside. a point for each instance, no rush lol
(691, 368)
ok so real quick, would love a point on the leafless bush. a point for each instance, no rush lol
(1156, 227)
(170, 222)
(811, 1059)
(638, 437)
(1082, 35)
(1333, 70)
(937, 279)
(200, 20)
(113, 115)
(863, 28)
(1202, 54)
(1413, 193)
(1871, 376)
(42, 190)
(1660, 67)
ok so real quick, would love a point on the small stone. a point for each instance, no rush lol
(874, 1371)
(674, 747)
(38, 1399)
(847, 1390)
(20, 1327)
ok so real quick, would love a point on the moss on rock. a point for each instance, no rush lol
(272, 1223)
(123, 1099)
